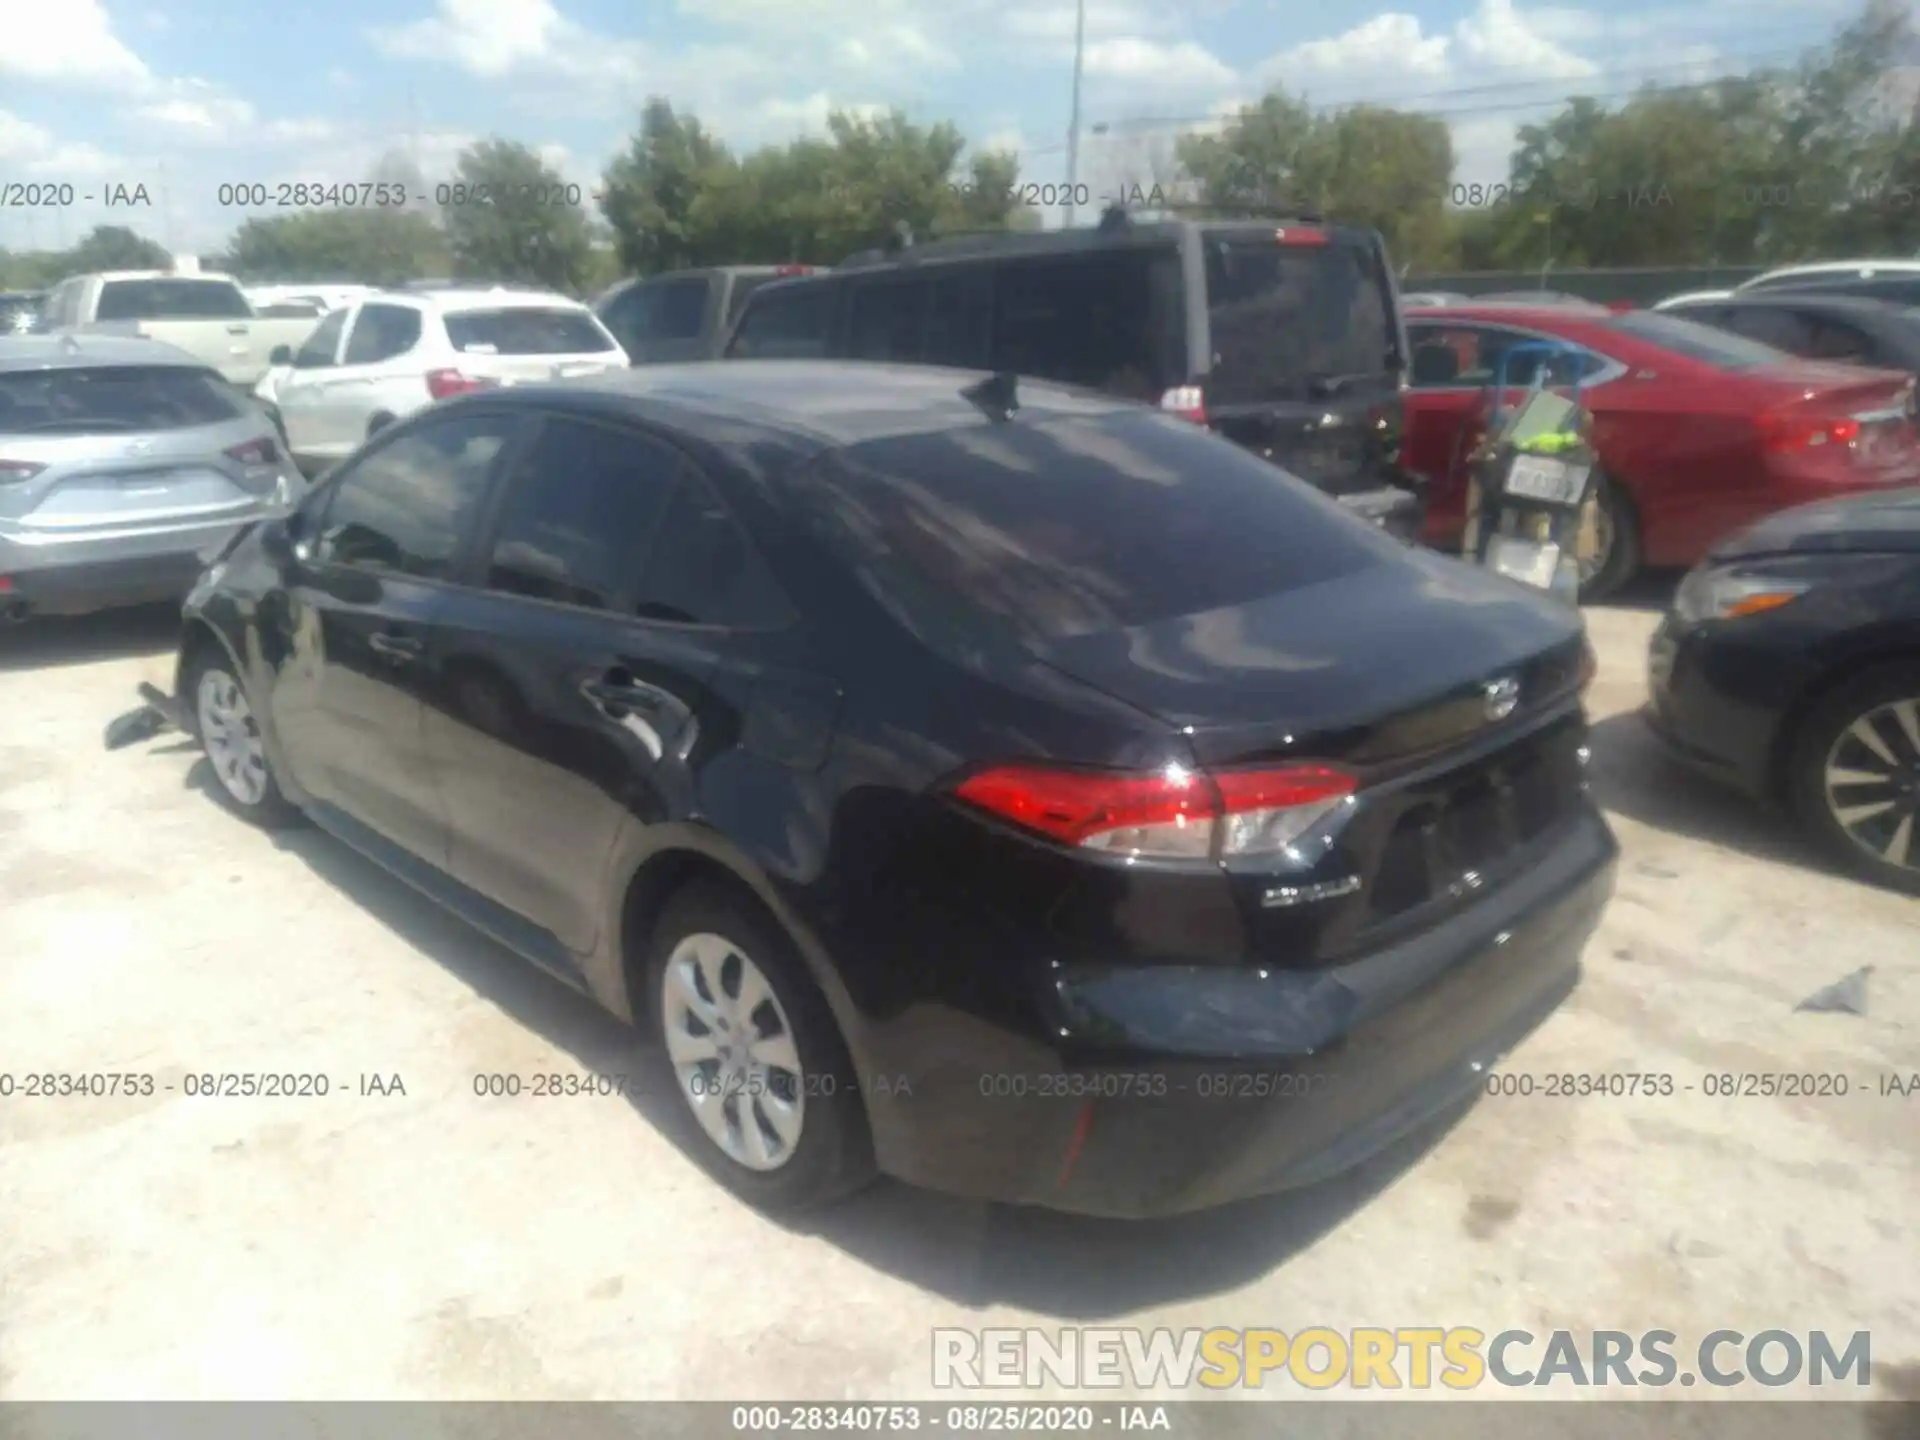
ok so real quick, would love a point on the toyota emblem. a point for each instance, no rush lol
(1503, 697)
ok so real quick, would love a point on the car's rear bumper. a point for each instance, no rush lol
(87, 573)
(1301, 1075)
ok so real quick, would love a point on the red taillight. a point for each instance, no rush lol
(1187, 402)
(12, 470)
(1300, 235)
(1790, 430)
(255, 452)
(445, 384)
(1173, 814)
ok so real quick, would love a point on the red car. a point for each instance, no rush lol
(1699, 432)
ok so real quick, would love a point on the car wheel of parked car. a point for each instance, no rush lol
(1618, 557)
(755, 1055)
(1855, 775)
(223, 722)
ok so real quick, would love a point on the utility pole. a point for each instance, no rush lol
(1073, 124)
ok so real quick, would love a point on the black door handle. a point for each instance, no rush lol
(395, 647)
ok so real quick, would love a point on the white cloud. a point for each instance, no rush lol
(1139, 63)
(33, 151)
(488, 38)
(65, 42)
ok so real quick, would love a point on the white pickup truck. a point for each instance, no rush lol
(206, 315)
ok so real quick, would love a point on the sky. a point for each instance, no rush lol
(180, 97)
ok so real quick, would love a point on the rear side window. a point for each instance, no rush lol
(787, 324)
(1075, 527)
(1718, 348)
(527, 330)
(112, 399)
(1108, 320)
(171, 300)
(581, 516)
(1778, 329)
(886, 318)
(1282, 316)
(960, 319)
(381, 332)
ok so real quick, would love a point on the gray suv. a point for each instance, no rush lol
(122, 461)
(683, 314)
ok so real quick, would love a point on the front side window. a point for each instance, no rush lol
(323, 344)
(404, 508)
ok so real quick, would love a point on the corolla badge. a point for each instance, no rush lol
(1502, 696)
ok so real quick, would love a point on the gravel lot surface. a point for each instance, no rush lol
(431, 1244)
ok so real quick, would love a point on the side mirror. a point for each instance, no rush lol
(281, 355)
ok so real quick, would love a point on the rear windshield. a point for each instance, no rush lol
(114, 399)
(523, 330)
(1718, 348)
(1074, 527)
(1284, 316)
(172, 300)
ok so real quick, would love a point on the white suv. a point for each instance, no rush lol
(387, 355)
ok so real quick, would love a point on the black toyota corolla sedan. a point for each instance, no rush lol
(1789, 666)
(1010, 789)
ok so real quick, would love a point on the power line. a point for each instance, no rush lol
(1567, 91)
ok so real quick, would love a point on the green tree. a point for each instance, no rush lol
(510, 219)
(115, 247)
(1365, 165)
(365, 246)
(647, 194)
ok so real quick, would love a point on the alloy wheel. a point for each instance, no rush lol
(231, 737)
(733, 1049)
(1872, 781)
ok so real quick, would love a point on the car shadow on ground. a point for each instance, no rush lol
(47, 642)
(971, 1252)
(1649, 593)
(1634, 776)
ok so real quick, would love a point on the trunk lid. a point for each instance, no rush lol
(1452, 695)
(95, 483)
(1373, 667)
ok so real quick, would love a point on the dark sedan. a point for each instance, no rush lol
(1790, 666)
(1021, 792)
(1817, 326)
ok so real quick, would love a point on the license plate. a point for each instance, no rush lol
(1531, 562)
(1537, 477)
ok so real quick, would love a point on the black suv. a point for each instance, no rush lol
(683, 314)
(1284, 337)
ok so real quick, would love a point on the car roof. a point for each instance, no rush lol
(802, 405)
(109, 276)
(77, 352)
(1022, 244)
(1862, 305)
(457, 299)
(1510, 312)
(1863, 268)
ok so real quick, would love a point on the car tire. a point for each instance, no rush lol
(1621, 560)
(713, 939)
(217, 708)
(1830, 737)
